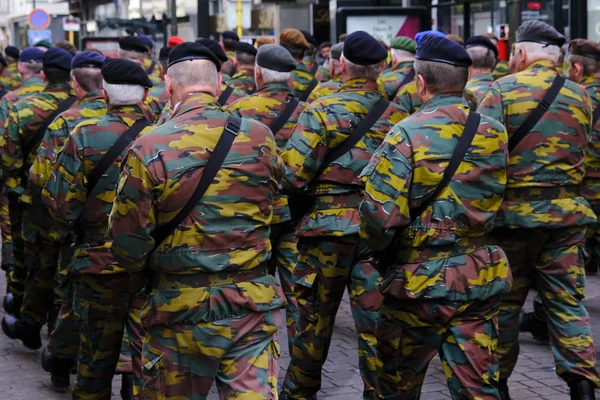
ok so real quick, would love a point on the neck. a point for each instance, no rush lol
(177, 96)
(403, 60)
(29, 76)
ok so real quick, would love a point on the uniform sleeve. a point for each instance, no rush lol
(133, 217)
(12, 153)
(65, 193)
(387, 177)
(305, 151)
(491, 104)
(403, 100)
(50, 146)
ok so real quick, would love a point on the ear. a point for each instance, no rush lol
(381, 67)
(579, 69)
(43, 75)
(168, 85)
(145, 96)
(105, 96)
(342, 65)
(421, 85)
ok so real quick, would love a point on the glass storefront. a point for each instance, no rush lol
(593, 25)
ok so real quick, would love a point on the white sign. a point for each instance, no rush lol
(71, 24)
(383, 27)
(232, 14)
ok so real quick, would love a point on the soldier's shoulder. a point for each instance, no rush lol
(495, 124)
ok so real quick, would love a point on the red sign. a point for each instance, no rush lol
(39, 19)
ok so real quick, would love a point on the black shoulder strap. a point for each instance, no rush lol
(358, 133)
(114, 152)
(285, 115)
(151, 67)
(457, 158)
(537, 113)
(231, 131)
(405, 81)
(314, 69)
(2, 92)
(595, 116)
(225, 95)
(39, 135)
(311, 86)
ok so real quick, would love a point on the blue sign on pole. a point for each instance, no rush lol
(39, 19)
(36, 36)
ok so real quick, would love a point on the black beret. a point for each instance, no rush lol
(584, 48)
(539, 32)
(246, 48)
(57, 58)
(213, 46)
(89, 59)
(443, 50)
(276, 58)
(119, 71)
(363, 49)
(3, 61)
(310, 38)
(164, 53)
(132, 43)
(231, 35)
(188, 51)
(12, 51)
(481, 41)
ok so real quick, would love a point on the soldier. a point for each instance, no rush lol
(310, 57)
(30, 67)
(543, 221)
(296, 44)
(435, 297)
(402, 71)
(326, 88)
(3, 77)
(230, 41)
(332, 257)
(27, 122)
(323, 74)
(158, 96)
(87, 84)
(211, 292)
(10, 78)
(133, 48)
(151, 67)
(79, 193)
(274, 106)
(243, 79)
(483, 53)
(500, 69)
(43, 45)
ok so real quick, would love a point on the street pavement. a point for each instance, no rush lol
(22, 377)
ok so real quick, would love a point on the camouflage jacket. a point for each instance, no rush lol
(325, 89)
(25, 118)
(243, 80)
(67, 194)
(11, 78)
(430, 248)
(301, 79)
(500, 70)
(92, 105)
(30, 86)
(323, 74)
(476, 88)
(546, 169)
(590, 188)
(156, 100)
(408, 99)
(310, 63)
(265, 106)
(324, 125)
(228, 67)
(392, 80)
(154, 73)
(228, 230)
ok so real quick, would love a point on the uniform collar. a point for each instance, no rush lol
(36, 80)
(542, 64)
(445, 99)
(486, 77)
(300, 66)
(275, 86)
(244, 71)
(360, 84)
(404, 65)
(130, 110)
(92, 96)
(59, 88)
(590, 81)
(193, 101)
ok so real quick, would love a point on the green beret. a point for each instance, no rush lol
(404, 43)
(44, 43)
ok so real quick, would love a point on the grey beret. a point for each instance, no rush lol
(336, 51)
(539, 32)
(275, 57)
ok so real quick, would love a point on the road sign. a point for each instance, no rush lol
(35, 36)
(39, 19)
(71, 24)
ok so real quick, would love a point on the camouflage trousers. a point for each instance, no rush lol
(327, 266)
(553, 262)
(104, 306)
(8, 257)
(17, 272)
(241, 353)
(411, 332)
(284, 259)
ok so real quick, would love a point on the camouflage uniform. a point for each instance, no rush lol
(407, 98)
(156, 100)
(64, 341)
(332, 257)
(210, 275)
(103, 290)
(543, 221)
(155, 74)
(301, 79)
(325, 88)
(323, 74)
(228, 68)
(11, 78)
(265, 106)
(392, 80)
(243, 80)
(442, 292)
(310, 63)
(476, 88)
(500, 70)
(24, 120)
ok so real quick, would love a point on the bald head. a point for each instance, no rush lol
(192, 76)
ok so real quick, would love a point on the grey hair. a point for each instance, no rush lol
(131, 55)
(269, 75)
(399, 54)
(123, 94)
(32, 67)
(442, 78)
(192, 73)
(363, 71)
(538, 51)
(482, 57)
